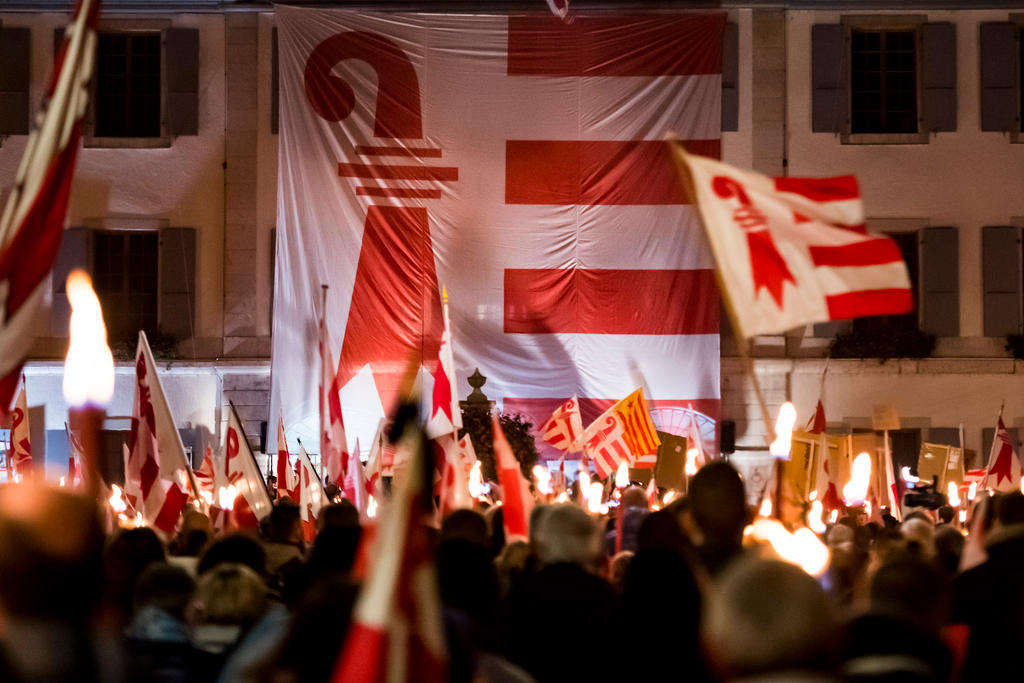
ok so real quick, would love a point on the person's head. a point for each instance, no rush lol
(946, 514)
(166, 587)
(195, 532)
(234, 548)
(617, 569)
(634, 496)
(919, 535)
(1009, 508)
(127, 554)
(50, 554)
(949, 546)
(466, 525)
(769, 616)
(229, 594)
(912, 589)
(285, 524)
(340, 514)
(565, 533)
(718, 501)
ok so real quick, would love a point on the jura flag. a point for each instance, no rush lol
(623, 433)
(521, 161)
(240, 469)
(206, 475)
(19, 456)
(445, 415)
(1004, 469)
(333, 446)
(286, 479)
(157, 474)
(792, 251)
(565, 426)
(32, 219)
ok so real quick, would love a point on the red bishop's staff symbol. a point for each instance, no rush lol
(767, 267)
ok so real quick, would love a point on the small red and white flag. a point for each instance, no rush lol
(445, 415)
(333, 444)
(517, 501)
(397, 630)
(623, 433)
(242, 472)
(32, 220)
(375, 464)
(157, 474)
(19, 457)
(206, 475)
(792, 251)
(892, 491)
(564, 428)
(355, 482)
(459, 457)
(286, 479)
(824, 482)
(76, 456)
(1004, 469)
(310, 494)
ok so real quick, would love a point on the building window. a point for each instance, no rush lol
(125, 275)
(128, 85)
(883, 82)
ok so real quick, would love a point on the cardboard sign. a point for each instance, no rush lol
(885, 418)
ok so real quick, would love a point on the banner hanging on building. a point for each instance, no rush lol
(520, 161)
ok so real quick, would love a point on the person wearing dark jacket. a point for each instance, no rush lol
(989, 599)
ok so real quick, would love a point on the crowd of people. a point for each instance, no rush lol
(672, 594)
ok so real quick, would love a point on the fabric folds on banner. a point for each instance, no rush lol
(519, 160)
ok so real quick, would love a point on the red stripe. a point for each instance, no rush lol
(873, 252)
(418, 152)
(639, 45)
(869, 302)
(607, 172)
(391, 172)
(835, 189)
(363, 658)
(399, 192)
(547, 301)
(174, 503)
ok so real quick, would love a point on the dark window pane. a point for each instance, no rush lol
(128, 85)
(126, 277)
(883, 82)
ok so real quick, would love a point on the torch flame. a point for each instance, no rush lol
(563, 497)
(543, 478)
(814, 518)
(594, 504)
(226, 497)
(766, 508)
(89, 367)
(691, 462)
(963, 516)
(834, 516)
(371, 505)
(584, 485)
(783, 431)
(63, 482)
(207, 498)
(622, 476)
(476, 482)
(669, 496)
(856, 490)
(953, 493)
(972, 491)
(116, 501)
(802, 548)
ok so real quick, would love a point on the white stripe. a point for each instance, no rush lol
(842, 279)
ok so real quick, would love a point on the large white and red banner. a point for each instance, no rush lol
(519, 161)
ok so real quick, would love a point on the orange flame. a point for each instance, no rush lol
(783, 431)
(226, 497)
(953, 493)
(476, 482)
(802, 547)
(814, 518)
(691, 462)
(116, 500)
(856, 490)
(972, 491)
(622, 476)
(543, 478)
(89, 367)
(766, 508)
(371, 506)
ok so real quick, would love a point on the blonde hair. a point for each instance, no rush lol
(230, 593)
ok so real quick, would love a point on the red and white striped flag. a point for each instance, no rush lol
(286, 479)
(19, 457)
(32, 220)
(1004, 469)
(517, 501)
(333, 444)
(824, 483)
(76, 456)
(206, 475)
(396, 632)
(157, 474)
(445, 415)
(564, 428)
(623, 433)
(242, 472)
(792, 251)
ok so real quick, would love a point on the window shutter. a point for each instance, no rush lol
(1000, 253)
(938, 76)
(999, 76)
(946, 436)
(730, 78)
(181, 52)
(15, 54)
(177, 282)
(831, 329)
(75, 251)
(275, 93)
(940, 282)
(829, 100)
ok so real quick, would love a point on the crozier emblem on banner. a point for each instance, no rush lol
(518, 160)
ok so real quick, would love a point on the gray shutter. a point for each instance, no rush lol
(75, 251)
(730, 78)
(275, 93)
(831, 329)
(1000, 253)
(946, 436)
(177, 282)
(181, 52)
(999, 76)
(829, 100)
(940, 282)
(938, 76)
(15, 58)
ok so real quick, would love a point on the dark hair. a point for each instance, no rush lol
(946, 514)
(284, 518)
(127, 554)
(166, 586)
(719, 501)
(466, 525)
(913, 589)
(340, 514)
(1010, 508)
(234, 548)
